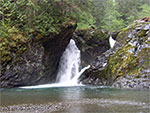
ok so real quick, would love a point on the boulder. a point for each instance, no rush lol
(127, 65)
(130, 64)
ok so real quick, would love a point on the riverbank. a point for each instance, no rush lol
(82, 106)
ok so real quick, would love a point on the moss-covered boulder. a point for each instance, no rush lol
(130, 64)
(126, 65)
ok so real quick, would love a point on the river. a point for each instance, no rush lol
(79, 99)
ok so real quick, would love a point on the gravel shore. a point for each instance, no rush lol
(80, 106)
(30, 108)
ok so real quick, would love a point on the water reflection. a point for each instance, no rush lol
(71, 96)
(83, 99)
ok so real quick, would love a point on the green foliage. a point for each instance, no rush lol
(46, 16)
(30, 15)
(80, 12)
(117, 14)
(130, 19)
(112, 20)
(12, 43)
(85, 21)
(22, 19)
(98, 11)
(145, 11)
(129, 8)
(101, 34)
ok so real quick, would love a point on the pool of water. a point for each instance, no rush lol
(79, 99)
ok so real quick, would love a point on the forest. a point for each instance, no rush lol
(46, 16)
(24, 20)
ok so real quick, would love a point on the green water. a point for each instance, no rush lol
(83, 99)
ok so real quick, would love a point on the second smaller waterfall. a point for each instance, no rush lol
(111, 41)
(69, 65)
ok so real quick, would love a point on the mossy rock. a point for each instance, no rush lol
(123, 62)
(91, 32)
(134, 52)
(12, 46)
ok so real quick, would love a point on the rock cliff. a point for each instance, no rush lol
(39, 63)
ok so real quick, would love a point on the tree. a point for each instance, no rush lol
(129, 8)
(97, 11)
(145, 11)
(112, 18)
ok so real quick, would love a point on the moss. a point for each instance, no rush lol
(83, 31)
(142, 33)
(148, 42)
(123, 61)
(101, 34)
(103, 73)
(69, 23)
(122, 36)
(12, 45)
(145, 56)
(90, 33)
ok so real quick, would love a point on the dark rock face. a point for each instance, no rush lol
(94, 46)
(97, 74)
(39, 63)
(92, 43)
(25, 72)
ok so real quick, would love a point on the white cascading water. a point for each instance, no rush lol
(111, 41)
(68, 73)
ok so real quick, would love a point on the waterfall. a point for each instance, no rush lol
(111, 41)
(69, 65)
(68, 72)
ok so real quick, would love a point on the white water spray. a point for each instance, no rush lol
(69, 65)
(68, 73)
(111, 41)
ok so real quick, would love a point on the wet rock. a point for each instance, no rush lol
(39, 63)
